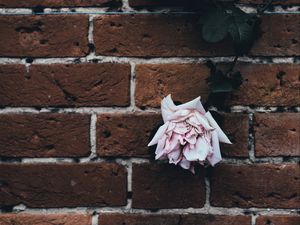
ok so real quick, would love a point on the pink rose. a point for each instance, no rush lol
(189, 135)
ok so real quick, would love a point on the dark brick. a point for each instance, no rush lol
(184, 81)
(58, 3)
(157, 186)
(179, 35)
(53, 219)
(65, 85)
(63, 185)
(278, 220)
(44, 135)
(236, 127)
(171, 219)
(277, 134)
(40, 36)
(268, 85)
(264, 185)
(125, 134)
(184, 3)
(264, 84)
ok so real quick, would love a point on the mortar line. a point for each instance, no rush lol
(91, 58)
(251, 138)
(126, 9)
(127, 161)
(93, 136)
(133, 86)
(253, 219)
(135, 110)
(95, 218)
(124, 209)
(207, 192)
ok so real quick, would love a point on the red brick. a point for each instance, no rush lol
(58, 3)
(168, 3)
(156, 186)
(39, 36)
(277, 134)
(278, 220)
(263, 185)
(236, 127)
(171, 219)
(125, 134)
(262, 84)
(65, 85)
(179, 35)
(279, 2)
(63, 185)
(44, 135)
(286, 42)
(53, 219)
(184, 81)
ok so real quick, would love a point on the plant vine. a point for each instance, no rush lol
(227, 21)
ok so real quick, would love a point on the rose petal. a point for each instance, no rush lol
(181, 128)
(173, 142)
(168, 108)
(200, 152)
(159, 152)
(216, 156)
(204, 121)
(159, 134)
(184, 163)
(221, 135)
(175, 156)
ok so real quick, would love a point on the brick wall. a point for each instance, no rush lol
(80, 89)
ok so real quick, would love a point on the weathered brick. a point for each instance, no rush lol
(184, 3)
(171, 219)
(180, 35)
(279, 2)
(184, 81)
(58, 3)
(156, 186)
(65, 85)
(236, 127)
(268, 85)
(277, 134)
(44, 135)
(63, 185)
(264, 84)
(36, 219)
(278, 220)
(39, 36)
(125, 134)
(286, 42)
(263, 185)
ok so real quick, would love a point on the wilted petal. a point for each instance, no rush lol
(167, 108)
(181, 128)
(221, 135)
(175, 156)
(194, 104)
(199, 153)
(173, 142)
(159, 152)
(160, 132)
(215, 157)
(184, 163)
(204, 121)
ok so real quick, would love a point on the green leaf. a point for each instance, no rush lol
(221, 87)
(236, 80)
(242, 30)
(215, 27)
